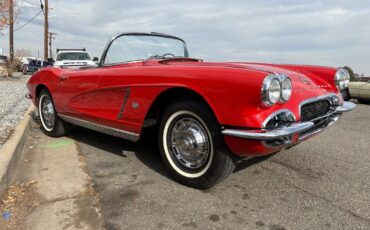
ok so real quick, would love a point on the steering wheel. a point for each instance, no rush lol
(168, 54)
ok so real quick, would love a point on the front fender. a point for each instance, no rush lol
(48, 78)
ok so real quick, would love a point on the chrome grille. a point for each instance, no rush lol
(314, 109)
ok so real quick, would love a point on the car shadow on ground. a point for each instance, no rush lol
(146, 150)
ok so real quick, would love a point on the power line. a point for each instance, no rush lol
(28, 22)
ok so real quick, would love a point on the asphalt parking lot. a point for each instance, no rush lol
(322, 183)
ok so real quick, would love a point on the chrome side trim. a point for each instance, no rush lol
(270, 134)
(101, 128)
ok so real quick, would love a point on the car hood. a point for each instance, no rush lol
(313, 80)
(263, 67)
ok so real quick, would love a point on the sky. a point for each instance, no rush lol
(329, 33)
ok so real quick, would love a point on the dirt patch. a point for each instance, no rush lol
(17, 202)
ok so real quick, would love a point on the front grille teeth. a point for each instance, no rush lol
(314, 109)
(124, 102)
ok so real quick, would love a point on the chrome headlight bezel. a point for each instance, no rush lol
(271, 90)
(341, 78)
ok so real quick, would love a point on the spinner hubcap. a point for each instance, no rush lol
(190, 143)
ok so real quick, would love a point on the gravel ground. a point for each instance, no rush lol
(13, 104)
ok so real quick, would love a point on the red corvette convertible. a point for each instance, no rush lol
(207, 115)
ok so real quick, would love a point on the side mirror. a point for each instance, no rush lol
(95, 59)
(50, 60)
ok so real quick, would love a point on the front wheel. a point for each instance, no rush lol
(192, 147)
(51, 124)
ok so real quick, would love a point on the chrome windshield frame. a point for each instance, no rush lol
(109, 43)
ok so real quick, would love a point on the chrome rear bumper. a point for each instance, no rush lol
(292, 128)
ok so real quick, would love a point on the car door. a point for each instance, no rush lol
(77, 93)
(353, 88)
(364, 90)
(120, 75)
(117, 88)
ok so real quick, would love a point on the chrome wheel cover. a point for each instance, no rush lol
(189, 143)
(47, 112)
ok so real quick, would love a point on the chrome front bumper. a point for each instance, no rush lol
(291, 129)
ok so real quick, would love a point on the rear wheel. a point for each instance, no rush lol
(51, 124)
(192, 147)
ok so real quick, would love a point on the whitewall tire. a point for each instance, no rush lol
(51, 124)
(191, 145)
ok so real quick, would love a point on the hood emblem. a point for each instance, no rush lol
(304, 80)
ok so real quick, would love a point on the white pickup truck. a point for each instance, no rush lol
(73, 57)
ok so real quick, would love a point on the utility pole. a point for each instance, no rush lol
(46, 28)
(51, 37)
(11, 32)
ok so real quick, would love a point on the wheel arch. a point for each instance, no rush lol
(173, 95)
(38, 90)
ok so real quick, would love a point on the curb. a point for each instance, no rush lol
(12, 149)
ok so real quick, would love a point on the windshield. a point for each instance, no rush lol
(141, 47)
(73, 56)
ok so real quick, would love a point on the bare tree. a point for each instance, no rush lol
(8, 14)
(4, 12)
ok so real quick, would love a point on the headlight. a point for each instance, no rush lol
(286, 88)
(271, 90)
(341, 78)
(275, 88)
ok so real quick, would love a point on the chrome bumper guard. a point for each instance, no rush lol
(289, 130)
